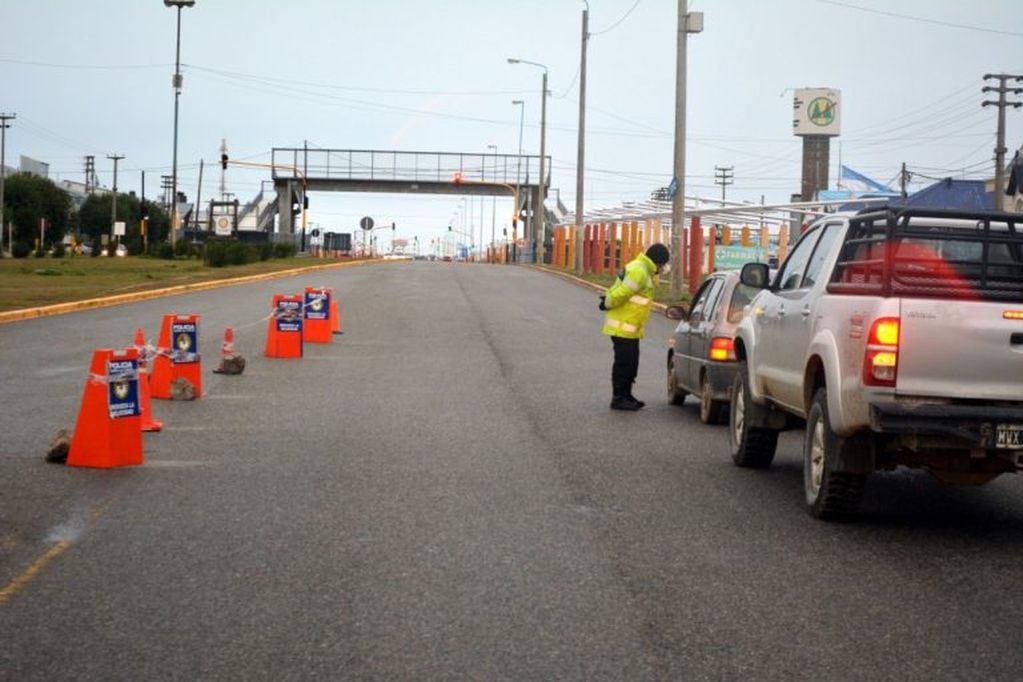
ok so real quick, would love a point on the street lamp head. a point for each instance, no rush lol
(178, 3)
(510, 59)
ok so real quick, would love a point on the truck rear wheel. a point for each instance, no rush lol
(829, 494)
(752, 446)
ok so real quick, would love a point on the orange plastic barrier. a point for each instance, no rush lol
(335, 313)
(177, 355)
(108, 432)
(284, 330)
(145, 402)
(316, 327)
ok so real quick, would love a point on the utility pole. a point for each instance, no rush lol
(724, 176)
(4, 125)
(541, 189)
(904, 180)
(581, 155)
(687, 23)
(1000, 149)
(198, 192)
(113, 206)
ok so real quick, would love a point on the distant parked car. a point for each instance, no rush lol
(701, 359)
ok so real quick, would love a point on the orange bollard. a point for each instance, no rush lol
(177, 355)
(335, 314)
(108, 432)
(145, 399)
(316, 327)
(284, 330)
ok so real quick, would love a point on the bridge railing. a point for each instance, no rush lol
(383, 165)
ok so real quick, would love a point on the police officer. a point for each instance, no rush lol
(628, 301)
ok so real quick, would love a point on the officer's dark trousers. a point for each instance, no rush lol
(626, 365)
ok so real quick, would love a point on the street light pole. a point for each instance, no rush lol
(539, 235)
(113, 195)
(4, 125)
(687, 23)
(493, 212)
(179, 4)
(581, 155)
(518, 180)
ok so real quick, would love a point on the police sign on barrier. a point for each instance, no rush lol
(123, 385)
(186, 342)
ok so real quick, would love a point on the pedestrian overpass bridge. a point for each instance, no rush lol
(300, 170)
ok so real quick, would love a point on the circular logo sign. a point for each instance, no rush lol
(184, 342)
(821, 112)
(121, 389)
(223, 223)
(317, 304)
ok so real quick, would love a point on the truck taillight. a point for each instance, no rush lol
(881, 361)
(722, 349)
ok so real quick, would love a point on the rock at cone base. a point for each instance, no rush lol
(60, 445)
(231, 364)
(182, 389)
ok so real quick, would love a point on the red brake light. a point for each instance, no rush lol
(722, 348)
(881, 361)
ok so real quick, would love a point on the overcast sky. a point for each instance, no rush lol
(95, 78)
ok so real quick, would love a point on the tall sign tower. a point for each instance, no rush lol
(816, 119)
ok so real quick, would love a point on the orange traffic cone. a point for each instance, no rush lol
(177, 355)
(145, 399)
(229, 362)
(108, 432)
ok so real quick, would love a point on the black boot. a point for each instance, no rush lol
(623, 401)
(634, 399)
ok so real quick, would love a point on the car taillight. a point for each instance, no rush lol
(881, 361)
(722, 348)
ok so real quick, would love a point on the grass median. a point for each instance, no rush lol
(33, 282)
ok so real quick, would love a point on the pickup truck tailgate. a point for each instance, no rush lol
(960, 349)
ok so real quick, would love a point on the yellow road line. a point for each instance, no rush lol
(18, 583)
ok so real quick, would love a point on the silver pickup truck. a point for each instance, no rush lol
(896, 337)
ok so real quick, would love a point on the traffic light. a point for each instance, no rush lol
(393, 227)
(449, 228)
(223, 161)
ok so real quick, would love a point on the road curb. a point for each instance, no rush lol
(106, 301)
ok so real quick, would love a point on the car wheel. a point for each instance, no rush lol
(829, 494)
(752, 447)
(676, 396)
(711, 411)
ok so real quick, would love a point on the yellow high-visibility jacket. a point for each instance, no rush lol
(630, 298)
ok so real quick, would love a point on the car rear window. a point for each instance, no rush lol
(931, 257)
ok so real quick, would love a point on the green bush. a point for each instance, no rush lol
(39, 253)
(283, 250)
(165, 250)
(97, 247)
(58, 250)
(134, 244)
(237, 253)
(215, 254)
(183, 248)
(266, 250)
(21, 250)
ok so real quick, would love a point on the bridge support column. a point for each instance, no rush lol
(285, 220)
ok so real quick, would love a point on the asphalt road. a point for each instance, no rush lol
(443, 493)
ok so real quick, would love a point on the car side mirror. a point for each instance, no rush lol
(756, 275)
(676, 312)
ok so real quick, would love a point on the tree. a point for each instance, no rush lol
(94, 218)
(27, 198)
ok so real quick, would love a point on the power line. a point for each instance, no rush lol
(921, 19)
(615, 25)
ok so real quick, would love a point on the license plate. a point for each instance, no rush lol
(1009, 436)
